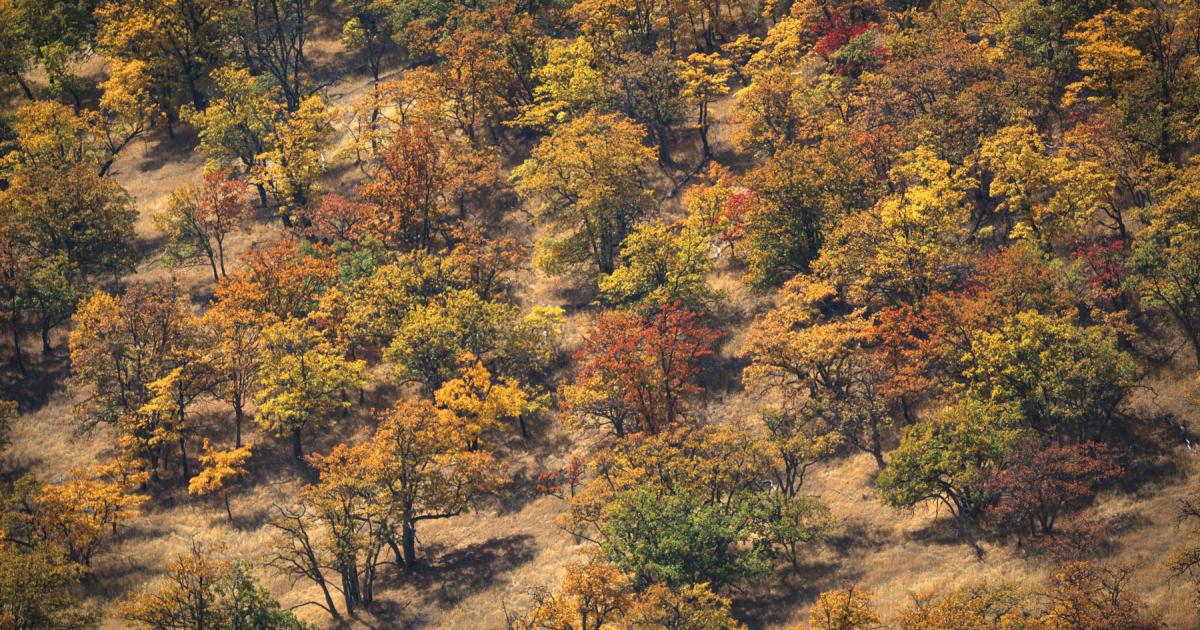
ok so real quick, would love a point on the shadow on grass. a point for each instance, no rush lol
(453, 575)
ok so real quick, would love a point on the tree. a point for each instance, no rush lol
(378, 305)
(843, 609)
(272, 35)
(120, 345)
(780, 104)
(1185, 560)
(126, 109)
(983, 605)
(35, 591)
(221, 470)
(1082, 595)
(339, 221)
(354, 525)
(1066, 381)
(71, 519)
(304, 380)
(1166, 255)
(1035, 485)
(588, 181)
(246, 604)
(74, 212)
(186, 601)
(53, 289)
(293, 159)
(236, 354)
(568, 84)
(681, 507)
(948, 458)
(705, 77)
(648, 88)
(199, 218)
(694, 606)
(18, 50)
(370, 28)
(1120, 67)
(489, 263)
(9, 413)
(718, 210)
(297, 552)
(661, 264)
(143, 359)
(796, 196)
(238, 125)
(428, 343)
(480, 401)
(1024, 180)
(912, 243)
(420, 462)
(179, 40)
(596, 594)
(790, 448)
(486, 57)
(591, 595)
(201, 592)
(677, 538)
(49, 134)
(281, 279)
(410, 191)
(641, 369)
(816, 354)
(165, 418)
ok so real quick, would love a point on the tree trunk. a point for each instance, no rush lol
(221, 257)
(877, 444)
(15, 323)
(262, 195)
(297, 446)
(238, 416)
(24, 86)
(183, 458)
(409, 540)
(228, 512)
(1196, 347)
(46, 348)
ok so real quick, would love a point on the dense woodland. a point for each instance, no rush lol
(600, 314)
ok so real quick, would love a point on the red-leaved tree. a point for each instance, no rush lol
(1036, 486)
(639, 369)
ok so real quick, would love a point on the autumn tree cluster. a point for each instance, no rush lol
(967, 229)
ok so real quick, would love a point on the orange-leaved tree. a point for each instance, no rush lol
(424, 470)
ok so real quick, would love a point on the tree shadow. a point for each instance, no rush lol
(453, 575)
(44, 375)
(770, 602)
(945, 531)
(1149, 442)
(520, 491)
(855, 536)
(722, 374)
(162, 150)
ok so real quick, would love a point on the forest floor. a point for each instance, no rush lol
(478, 565)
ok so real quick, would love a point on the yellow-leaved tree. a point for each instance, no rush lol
(221, 470)
(303, 380)
(588, 181)
(481, 401)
